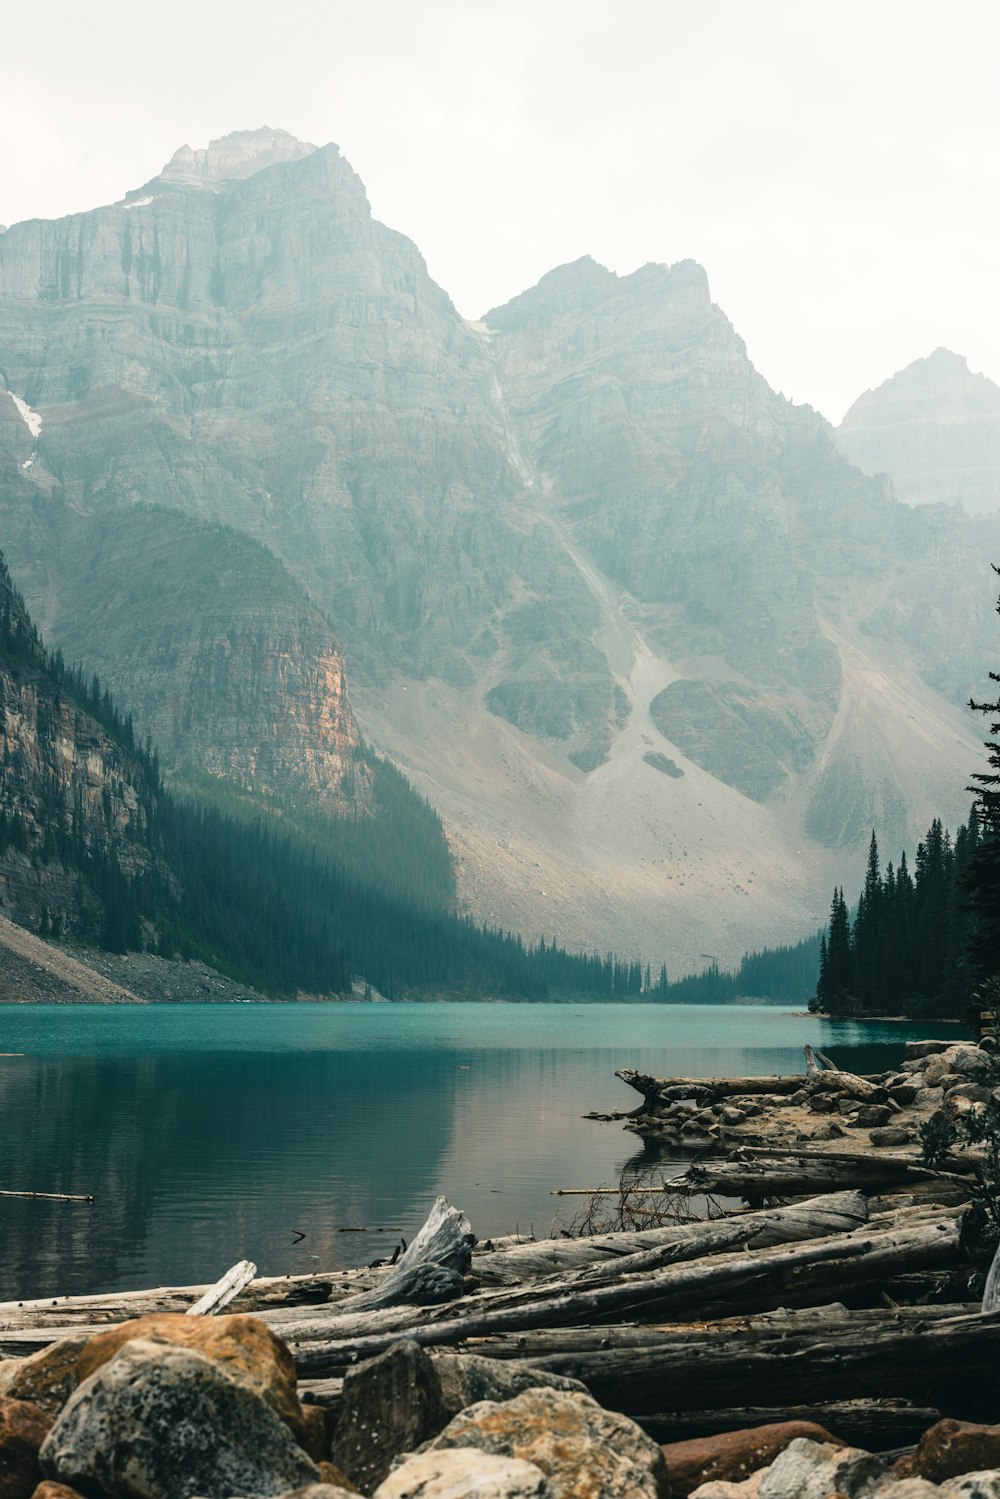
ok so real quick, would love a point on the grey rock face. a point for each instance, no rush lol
(934, 428)
(160, 1422)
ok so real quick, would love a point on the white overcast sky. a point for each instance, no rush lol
(835, 167)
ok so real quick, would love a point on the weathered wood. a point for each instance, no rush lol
(946, 1364)
(830, 1214)
(60, 1315)
(860, 1088)
(224, 1290)
(50, 1196)
(785, 1275)
(873, 1425)
(991, 1290)
(433, 1268)
(654, 1088)
(756, 1180)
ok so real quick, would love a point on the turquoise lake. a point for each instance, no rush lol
(210, 1133)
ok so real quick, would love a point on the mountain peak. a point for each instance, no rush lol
(239, 154)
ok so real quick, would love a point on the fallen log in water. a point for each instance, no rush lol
(760, 1179)
(653, 1089)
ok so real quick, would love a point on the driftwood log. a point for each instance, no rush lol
(224, 1291)
(655, 1089)
(947, 1364)
(431, 1271)
(834, 1213)
(840, 1265)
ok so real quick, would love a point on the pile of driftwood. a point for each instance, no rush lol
(841, 1296)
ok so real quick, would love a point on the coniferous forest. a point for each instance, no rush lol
(906, 950)
(277, 905)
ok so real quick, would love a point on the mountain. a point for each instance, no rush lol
(934, 428)
(658, 654)
(93, 846)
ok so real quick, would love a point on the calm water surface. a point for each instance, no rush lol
(209, 1133)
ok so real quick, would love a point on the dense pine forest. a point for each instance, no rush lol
(907, 949)
(265, 900)
(786, 973)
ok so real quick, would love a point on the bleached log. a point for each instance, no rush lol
(830, 1214)
(431, 1271)
(224, 1290)
(855, 1263)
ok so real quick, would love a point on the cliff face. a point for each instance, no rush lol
(220, 658)
(555, 545)
(934, 428)
(68, 791)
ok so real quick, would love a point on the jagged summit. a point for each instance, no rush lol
(934, 428)
(585, 283)
(237, 155)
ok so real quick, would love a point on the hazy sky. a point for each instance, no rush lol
(835, 167)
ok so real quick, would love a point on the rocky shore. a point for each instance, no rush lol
(822, 1332)
(33, 971)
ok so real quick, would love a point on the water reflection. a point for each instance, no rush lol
(210, 1133)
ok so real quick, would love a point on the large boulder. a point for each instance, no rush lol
(243, 1346)
(464, 1473)
(584, 1451)
(395, 1402)
(23, 1429)
(814, 1470)
(949, 1448)
(733, 1455)
(390, 1404)
(158, 1421)
(467, 1378)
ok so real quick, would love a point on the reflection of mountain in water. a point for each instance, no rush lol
(196, 1160)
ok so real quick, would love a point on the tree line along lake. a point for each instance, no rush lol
(209, 1133)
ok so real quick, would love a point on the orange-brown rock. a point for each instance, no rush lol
(244, 1346)
(949, 1448)
(49, 1489)
(733, 1455)
(48, 1377)
(23, 1429)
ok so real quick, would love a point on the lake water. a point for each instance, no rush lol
(210, 1133)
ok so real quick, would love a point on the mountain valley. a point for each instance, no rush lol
(658, 654)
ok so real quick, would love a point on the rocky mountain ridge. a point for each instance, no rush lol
(934, 428)
(576, 535)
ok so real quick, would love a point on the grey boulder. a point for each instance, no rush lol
(163, 1422)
